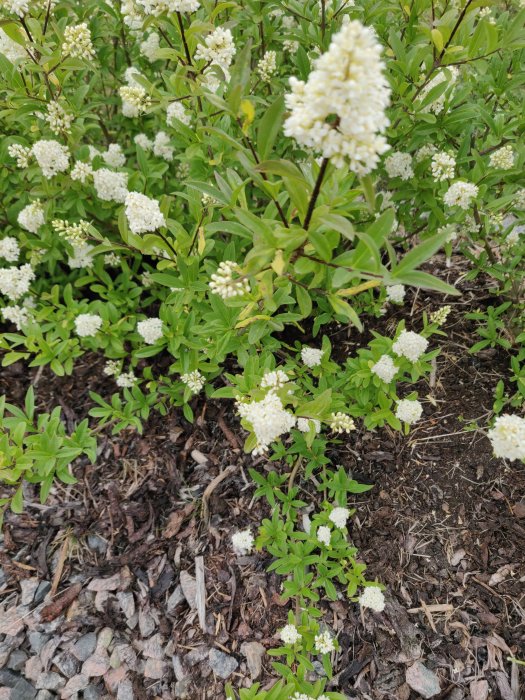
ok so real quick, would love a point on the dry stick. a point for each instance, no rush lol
(200, 592)
(60, 566)
(212, 486)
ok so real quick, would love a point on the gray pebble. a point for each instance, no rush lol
(223, 665)
(183, 689)
(49, 680)
(97, 544)
(37, 641)
(41, 592)
(17, 660)
(84, 646)
(67, 664)
(23, 690)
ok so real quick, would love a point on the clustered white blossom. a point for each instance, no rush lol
(225, 284)
(82, 256)
(110, 186)
(15, 281)
(304, 425)
(311, 356)
(267, 65)
(503, 158)
(176, 112)
(9, 249)
(424, 152)
(51, 156)
(372, 597)
(508, 437)
(58, 119)
(126, 380)
(77, 42)
(324, 643)
(410, 345)
(274, 379)
(243, 542)
(81, 171)
(87, 324)
(111, 260)
(22, 154)
(150, 46)
(340, 111)
(519, 200)
(440, 316)
(11, 50)
(111, 368)
(17, 7)
(399, 165)
(341, 422)
(460, 193)
(144, 142)
(143, 213)
(304, 696)
(339, 516)
(193, 380)
(31, 217)
(114, 156)
(396, 293)
(409, 410)
(162, 147)
(75, 233)
(324, 535)
(268, 419)
(218, 49)
(385, 369)
(135, 100)
(438, 104)
(150, 329)
(443, 166)
(18, 315)
(290, 634)
(159, 7)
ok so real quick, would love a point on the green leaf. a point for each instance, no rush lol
(269, 127)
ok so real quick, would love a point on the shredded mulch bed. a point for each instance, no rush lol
(124, 585)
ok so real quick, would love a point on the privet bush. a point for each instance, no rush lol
(187, 183)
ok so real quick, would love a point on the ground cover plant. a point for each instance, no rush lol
(283, 215)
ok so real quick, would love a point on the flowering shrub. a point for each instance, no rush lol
(201, 182)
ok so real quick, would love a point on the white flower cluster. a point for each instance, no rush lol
(193, 380)
(311, 356)
(82, 256)
(410, 345)
(324, 535)
(268, 419)
(51, 156)
(218, 49)
(74, 233)
(11, 50)
(18, 315)
(58, 119)
(162, 147)
(150, 46)
(443, 166)
(409, 410)
(16, 7)
(87, 324)
(267, 65)
(396, 293)
(460, 193)
(143, 213)
(126, 380)
(324, 643)
(144, 142)
(341, 423)
(372, 597)
(424, 152)
(440, 315)
(503, 158)
(9, 249)
(304, 425)
(508, 437)
(114, 156)
(339, 516)
(135, 100)
(15, 281)
(31, 217)
(77, 42)
(304, 696)
(110, 186)
(176, 112)
(399, 165)
(290, 634)
(385, 369)
(243, 542)
(159, 7)
(438, 104)
(225, 284)
(150, 329)
(22, 154)
(81, 171)
(519, 201)
(275, 379)
(340, 110)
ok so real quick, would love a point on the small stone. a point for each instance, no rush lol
(125, 690)
(126, 655)
(67, 664)
(183, 689)
(45, 695)
(37, 641)
(105, 584)
(422, 680)
(5, 651)
(223, 665)
(97, 544)
(74, 685)
(48, 652)
(254, 652)
(85, 646)
(153, 647)
(8, 678)
(113, 678)
(50, 681)
(189, 588)
(93, 692)
(155, 668)
(196, 655)
(146, 624)
(33, 668)
(175, 599)
(5, 693)
(13, 620)
(96, 665)
(127, 603)
(23, 690)
(178, 668)
(104, 638)
(43, 589)
(29, 587)
(17, 660)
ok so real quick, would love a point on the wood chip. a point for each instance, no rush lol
(189, 588)
(54, 609)
(200, 594)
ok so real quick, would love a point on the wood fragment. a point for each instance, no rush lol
(54, 609)
(212, 486)
(228, 434)
(200, 592)
(64, 551)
